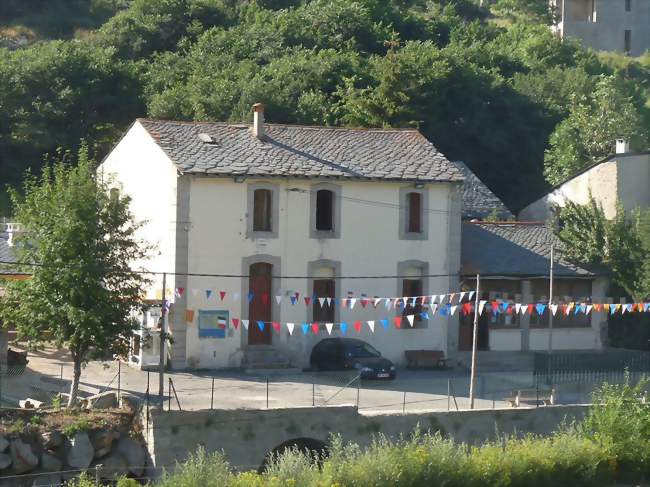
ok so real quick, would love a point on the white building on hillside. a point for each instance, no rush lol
(317, 204)
(605, 25)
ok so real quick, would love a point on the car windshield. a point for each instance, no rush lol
(361, 350)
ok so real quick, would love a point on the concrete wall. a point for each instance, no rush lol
(624, 178)
(141, 170)
(604, 29)
(369, 244)
(601, 181)
(247, 436)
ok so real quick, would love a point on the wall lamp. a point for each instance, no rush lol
(239, 178)
(418, 185)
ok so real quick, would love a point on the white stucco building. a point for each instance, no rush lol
(621, 178)
(293, 209)
(606, 25)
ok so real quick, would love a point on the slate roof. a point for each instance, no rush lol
(302, 151)
(515, 249)
(479, 201)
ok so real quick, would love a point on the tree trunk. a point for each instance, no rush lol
(74, 387)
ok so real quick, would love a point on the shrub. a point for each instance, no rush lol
(620, 420)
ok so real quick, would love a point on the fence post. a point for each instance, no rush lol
(448, 394)
(169, 391)
(404, 404)
(212, 395)
(358, 390)
(98, 476)
(147, 403)
(119, 380)
(313, 394)
(267, 392)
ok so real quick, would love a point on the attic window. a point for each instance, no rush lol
(207, 139)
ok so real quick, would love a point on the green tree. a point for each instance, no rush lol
(82, 293)
(589, 238)
(588, 133)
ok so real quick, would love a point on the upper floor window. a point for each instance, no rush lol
(412, 289)
(414, 222)
(628, 5)
(262, 215)
(324, 310)
(324, 210)
(262, 205)
(628, 42)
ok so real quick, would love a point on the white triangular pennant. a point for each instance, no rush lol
(329, 327)
(471, 295)
(553, 308)
(278, 299)
(329, 301)
(481, 306)
(410, 318)
(352, 302)
(245, 323)
(321, 301)
(434, 298)
(290, 327)
(377, 301)
(371, 325)
(589, 308)
(387, 303)
(462, 296)
(453, 309)
(517, 308)
(451, 297)
(523, 309)
(442, 298)
(434, 308)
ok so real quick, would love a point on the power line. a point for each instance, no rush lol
(203, 274)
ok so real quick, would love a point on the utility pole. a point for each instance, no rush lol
(161, 361)
(474, 342)
(550, 311)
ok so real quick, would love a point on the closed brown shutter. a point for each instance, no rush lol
(415, 212)
(262, 210)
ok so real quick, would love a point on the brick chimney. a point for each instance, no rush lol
(258, 120)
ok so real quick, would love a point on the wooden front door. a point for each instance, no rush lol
(259, 308)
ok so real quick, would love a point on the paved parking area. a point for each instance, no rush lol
(410, 391)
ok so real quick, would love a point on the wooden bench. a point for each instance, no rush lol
(520, 396)
(425, 358)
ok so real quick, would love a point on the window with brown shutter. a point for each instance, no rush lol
(262, 210)
(414, 202)
(324, 210)
(324, 288)
(412, 288)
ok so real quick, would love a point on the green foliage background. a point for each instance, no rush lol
(493, 88)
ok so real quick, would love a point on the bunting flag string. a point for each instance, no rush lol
(421, 310)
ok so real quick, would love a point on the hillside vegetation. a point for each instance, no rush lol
(493, 88)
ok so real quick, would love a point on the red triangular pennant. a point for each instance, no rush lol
(276, 326)
(222, 294)
(265, 298)
(307, 300)
(357, 326)
(315, 328)
(398, 321)
(235, 323)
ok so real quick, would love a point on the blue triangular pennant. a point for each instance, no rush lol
(344, 328)
(305, 328)
(540, 308)
(424, 315)
(250, 296)
(260, 324)
(208, 293)
(384, 323)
